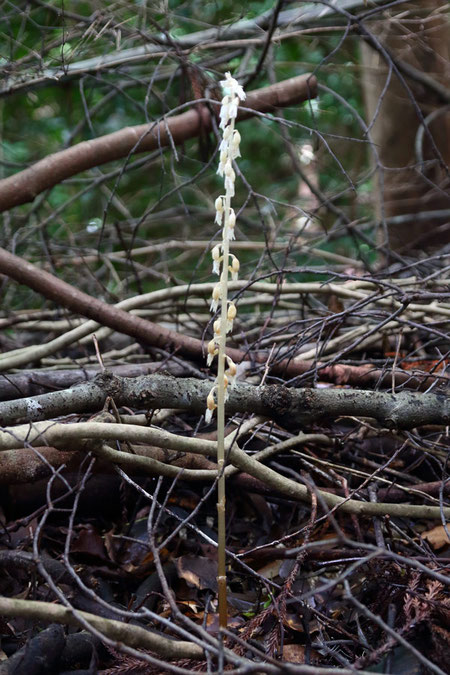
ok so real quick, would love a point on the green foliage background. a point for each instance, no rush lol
(79, 216)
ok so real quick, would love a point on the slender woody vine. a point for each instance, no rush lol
(224, 263)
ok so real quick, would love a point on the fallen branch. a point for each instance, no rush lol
(137, 637)
(404, 410)
(96, 433)
(40, 381)
(133, 636)
(27, 466)
(155, 335)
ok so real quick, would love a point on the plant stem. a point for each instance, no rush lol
(221, 389)
(225, 217)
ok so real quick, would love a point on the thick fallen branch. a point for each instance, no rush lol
(404, 410)
(24, 186)
(27, 466)
(133, 636)
(137, 637)
(40, 654)
(40, 381)
(92, 436)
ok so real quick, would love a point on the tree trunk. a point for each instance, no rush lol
(415, 159)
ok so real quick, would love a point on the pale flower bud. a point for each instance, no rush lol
(227, 134)
(231, 220)
(234, 145)
(223, 158)
(232, 108)
(216, 327)
(232, 311)
(234, 267)
(216, 295)
(216, 259)
(230, 178)
(225, 112)
(230, 233)
(232, 367)
(219, 211)
(221, 167)
(231, 371)
(210, 406)
(231, 315)
(229, 186)
(212, 351)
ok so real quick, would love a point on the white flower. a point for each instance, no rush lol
(230, 177)
(222, 162)
(232, 86)
(231, 315)
(227, 133)
(212, 352)
(226, 217)
(210, 405)
(234, 267)
(224, 112)
(232, 109)
(216, 258)
(306, 154)
(234, 145)
(231, 220)
(231, 371)
(229, 186)
(219, 211)
(216, 295)
(225, 385)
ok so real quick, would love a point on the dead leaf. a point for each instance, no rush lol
(296, 654)
(199, 571)
(335, 304)
(88, 541)
(213, 626)
(437, 537)
(271, 570)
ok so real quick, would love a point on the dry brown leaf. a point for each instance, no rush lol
(271, 569)
(437, 537)
(198, 571)
(296, 654)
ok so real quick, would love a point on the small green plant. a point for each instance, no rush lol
(224, 264)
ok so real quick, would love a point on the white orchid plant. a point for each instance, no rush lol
(224, 265)
(224, 262)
